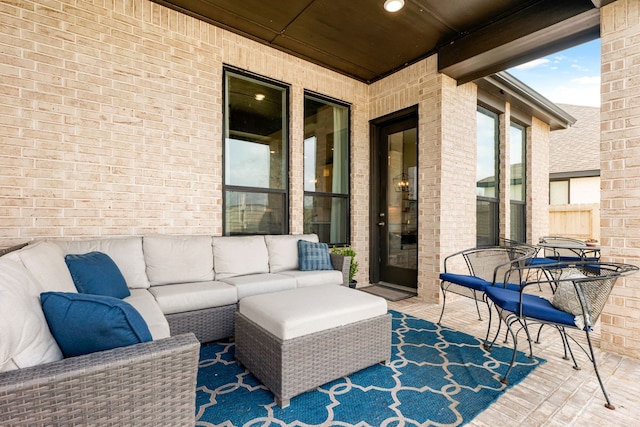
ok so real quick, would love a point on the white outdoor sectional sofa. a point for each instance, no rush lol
(186, 288)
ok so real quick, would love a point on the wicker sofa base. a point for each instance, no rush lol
(290, 367)
(150, 384)
(210, 324)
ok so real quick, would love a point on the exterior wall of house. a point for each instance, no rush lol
(112, 121)
(537, 180)
(619, 165)
(112, 125)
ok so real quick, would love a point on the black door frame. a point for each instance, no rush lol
(375, 127)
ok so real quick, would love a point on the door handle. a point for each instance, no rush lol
(381, 223)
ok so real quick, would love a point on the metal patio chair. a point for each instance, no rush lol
(469, 272)
(581, 291)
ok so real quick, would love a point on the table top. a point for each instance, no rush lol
(578, 246)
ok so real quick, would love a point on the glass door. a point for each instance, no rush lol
(398, 205)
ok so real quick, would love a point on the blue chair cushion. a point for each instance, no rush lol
(533, 306)
(540, 261)
(96, 273)
(465, 280)
(313, 256)
(83, 323)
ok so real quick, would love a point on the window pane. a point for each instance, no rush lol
(486, 178)
(328, 217)
(255, 133)
(326, 147)
(518, 227)
(254, 213)
(559, 192)
(326, 170)
(517, 161)
(487, 133)
(486, 220)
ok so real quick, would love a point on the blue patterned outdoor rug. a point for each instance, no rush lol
(437, 376)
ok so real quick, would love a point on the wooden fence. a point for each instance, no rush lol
(578, 221)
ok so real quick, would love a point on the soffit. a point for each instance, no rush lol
(358, 38)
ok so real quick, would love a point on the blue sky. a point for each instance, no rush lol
(571, 76)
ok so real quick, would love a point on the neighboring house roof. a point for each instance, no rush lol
(575, 152)
(526, 99)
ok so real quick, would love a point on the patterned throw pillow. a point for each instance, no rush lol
(566, 299)
(313, 256)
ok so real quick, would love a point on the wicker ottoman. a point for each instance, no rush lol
(296, 340)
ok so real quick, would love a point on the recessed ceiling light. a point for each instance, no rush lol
(259, 96)
(393, 5)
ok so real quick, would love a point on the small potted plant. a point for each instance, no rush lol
(347, 250)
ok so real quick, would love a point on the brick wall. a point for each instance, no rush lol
(620, 169)
(112, 119)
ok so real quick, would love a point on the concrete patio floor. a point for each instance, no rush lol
(555, 394)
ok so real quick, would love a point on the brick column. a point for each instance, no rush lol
(620, 168)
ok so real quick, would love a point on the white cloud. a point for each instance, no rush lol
(579, 67)
(587, 80)
(533, 64)
(588, 95)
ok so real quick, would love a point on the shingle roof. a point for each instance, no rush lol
(577, 148)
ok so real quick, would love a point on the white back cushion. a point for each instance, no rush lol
(178, 259)
(283, 250)
(126, 252)
(239, 255)
(45, 262)
(25, 339)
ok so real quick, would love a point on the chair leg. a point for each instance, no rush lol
(567, 348)
(486, 338)
(607, 405)
(475, 297)
(508, 322)
(444, 301)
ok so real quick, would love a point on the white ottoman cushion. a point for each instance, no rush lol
(303, 311)
(182, 297)
(255, 284)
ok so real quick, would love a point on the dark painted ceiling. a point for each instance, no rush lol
(473, 38)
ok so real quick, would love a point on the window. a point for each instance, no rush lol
(326, 169)
(255, 156)
(517, 161)
(486, 178)
(559, 192)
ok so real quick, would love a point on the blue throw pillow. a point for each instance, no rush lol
(313, 256)
(83, 323)
(96, 273)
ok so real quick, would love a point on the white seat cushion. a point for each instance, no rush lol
(178, 259)
(239, 256)
(283, 250)
(254, 284)
(183, 297)
(25, 339)
(315, 278)
(304, 311)
(126, 252)
(146, 305)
